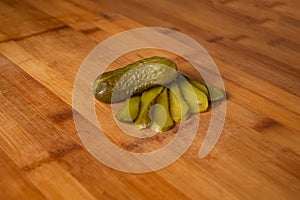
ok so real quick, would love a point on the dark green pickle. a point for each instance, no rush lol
(120, 84)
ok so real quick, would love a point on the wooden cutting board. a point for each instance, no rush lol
(256, 48)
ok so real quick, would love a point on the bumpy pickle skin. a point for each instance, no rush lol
(196, 99)
(120, 84)
(130, 110)
(161, 118)
(179, 108)
(148, 98)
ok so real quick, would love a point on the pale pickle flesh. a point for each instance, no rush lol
(130, 110)
(215, 94)
(161, 118)
(200, 86)
(196, 99)
(148, 98)
(179, 108)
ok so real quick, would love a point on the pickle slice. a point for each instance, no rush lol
(200, 86)
(215, 94)
(196, 99)
(130, 110)
(161, 118)
(179, 108)
(148, 98)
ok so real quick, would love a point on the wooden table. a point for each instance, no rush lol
(255, 45)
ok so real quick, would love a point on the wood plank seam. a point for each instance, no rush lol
(64, 26)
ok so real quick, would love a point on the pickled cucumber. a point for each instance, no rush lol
(148, 98)
(130, 110)
(200, 86)
(179, 109)
(215, 94)
(196, 99)
(161, 118)
(134, 78)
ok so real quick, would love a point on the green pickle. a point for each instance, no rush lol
(179, 108)
(148, 98)
(130, 110)
(120, 84)
(195, 98)
(215, 94)
(161, 118)
(200, 86)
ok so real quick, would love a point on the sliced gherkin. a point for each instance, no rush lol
(134, 78)
(200, 86)
(196, 99)
(130, 110)
(179, 109)
(215, 94)
(161, 118)
(148, 98)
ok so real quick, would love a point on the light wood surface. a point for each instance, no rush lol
(255, 45)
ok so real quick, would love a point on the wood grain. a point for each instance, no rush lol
(255, 45)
